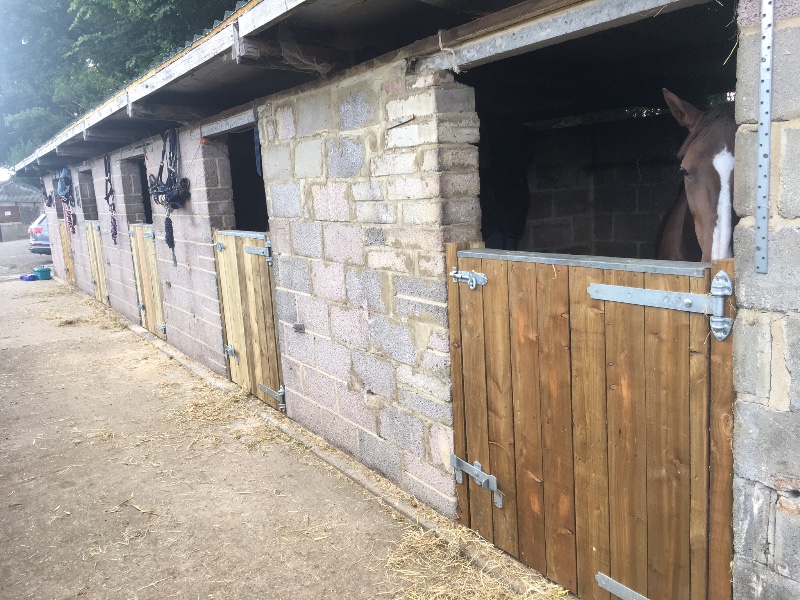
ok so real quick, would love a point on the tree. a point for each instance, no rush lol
(61, 58)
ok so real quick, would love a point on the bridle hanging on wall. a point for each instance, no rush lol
(65, 194)
(112, 205)
(173, 192)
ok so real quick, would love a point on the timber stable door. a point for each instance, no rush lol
(148, 283)
(96, 261)
(599, 420)
(244, 271)
(66, 249)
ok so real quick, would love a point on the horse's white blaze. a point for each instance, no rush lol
(721, 247)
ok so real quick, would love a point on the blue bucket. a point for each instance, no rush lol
(42, 272)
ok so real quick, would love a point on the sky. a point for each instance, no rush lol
(5, 174)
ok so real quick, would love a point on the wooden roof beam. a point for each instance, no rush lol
(120, 136)
(168, 112)
(268, 54)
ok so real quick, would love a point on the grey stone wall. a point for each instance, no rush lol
(367, 178)
(767, 331)
(602, 189)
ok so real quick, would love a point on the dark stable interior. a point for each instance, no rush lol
(249, 198)
(577, 149)
(145, 187)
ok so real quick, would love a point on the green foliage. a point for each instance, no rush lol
(61, 58)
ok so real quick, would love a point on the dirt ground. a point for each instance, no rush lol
(16, 259)
(123, 475)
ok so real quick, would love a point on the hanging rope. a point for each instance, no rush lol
(112, 205)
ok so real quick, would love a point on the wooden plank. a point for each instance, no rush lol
(590, 437)
(627, 438)
(699, 373)
(137, 275)
(456, 375)
(144, 272)
(90, 245)
(721, 475)
(270, 331)
(66, 249)
(500, 402)
(668, 448)
(552, 295)
(219, 267)
(524, 332)
(234, 321)
(155, 286)
(475, 401)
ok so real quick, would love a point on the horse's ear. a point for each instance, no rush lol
(686, 114)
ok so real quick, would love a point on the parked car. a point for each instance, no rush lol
(40, 236)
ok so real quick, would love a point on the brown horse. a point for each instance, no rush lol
(700, 224)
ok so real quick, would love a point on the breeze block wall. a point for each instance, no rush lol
(767, 330)
(367, 178)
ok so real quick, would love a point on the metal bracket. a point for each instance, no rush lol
(162, 328)
(469, 277)
(616, 588)
(107, 299)
(486, 481)
(149, 235)
(712, 305)
(93, 281)
(141, 306)
(265, 251)
(219, 246)
(764, 132)
(280, 395)
(229, 350)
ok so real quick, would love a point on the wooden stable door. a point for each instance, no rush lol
(148, 283)
(66, 249)
(246, 287)
(604, 422)
(97, 261)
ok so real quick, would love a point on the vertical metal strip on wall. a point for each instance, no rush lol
(764, 130)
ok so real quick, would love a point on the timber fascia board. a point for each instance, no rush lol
(572, 21)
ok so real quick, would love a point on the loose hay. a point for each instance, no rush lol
(435, 568)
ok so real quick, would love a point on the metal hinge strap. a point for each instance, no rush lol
(265, 251)
(219, 246)
(280, 395)
(616, 588)
(712, 305)
(471, 278)
(486, 481)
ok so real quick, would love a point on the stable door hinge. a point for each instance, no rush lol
(265, 251)
(163, 329)
(229, 350)
(486, 481)
(712, 304)
(471, 278)
(616, 588)
(219, 246)
(280, 395)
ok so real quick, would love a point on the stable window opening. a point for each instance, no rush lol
(56, 201)
(147, 204)
(578, 148)
(247, 183)
(85, 191)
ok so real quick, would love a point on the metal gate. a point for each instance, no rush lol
(66, 249)
(602, 419)
(244, 271)
(148, 283)
(96, 261)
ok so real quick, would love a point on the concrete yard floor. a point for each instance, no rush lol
(16, 259)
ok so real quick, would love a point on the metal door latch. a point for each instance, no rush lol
(486, 481)
(229, 350)
(712, 305)
(471, 278)
(280, 395)
(219, 246)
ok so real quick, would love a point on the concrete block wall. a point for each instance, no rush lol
(602, 189)
(367, 178)
(84, 196)
(767, 331)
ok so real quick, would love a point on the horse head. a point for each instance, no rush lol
(707, 166)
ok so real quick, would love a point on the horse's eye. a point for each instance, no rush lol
(686, 174)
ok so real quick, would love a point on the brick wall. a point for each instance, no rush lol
(366, 180)
(602, 189)
(767, 329)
